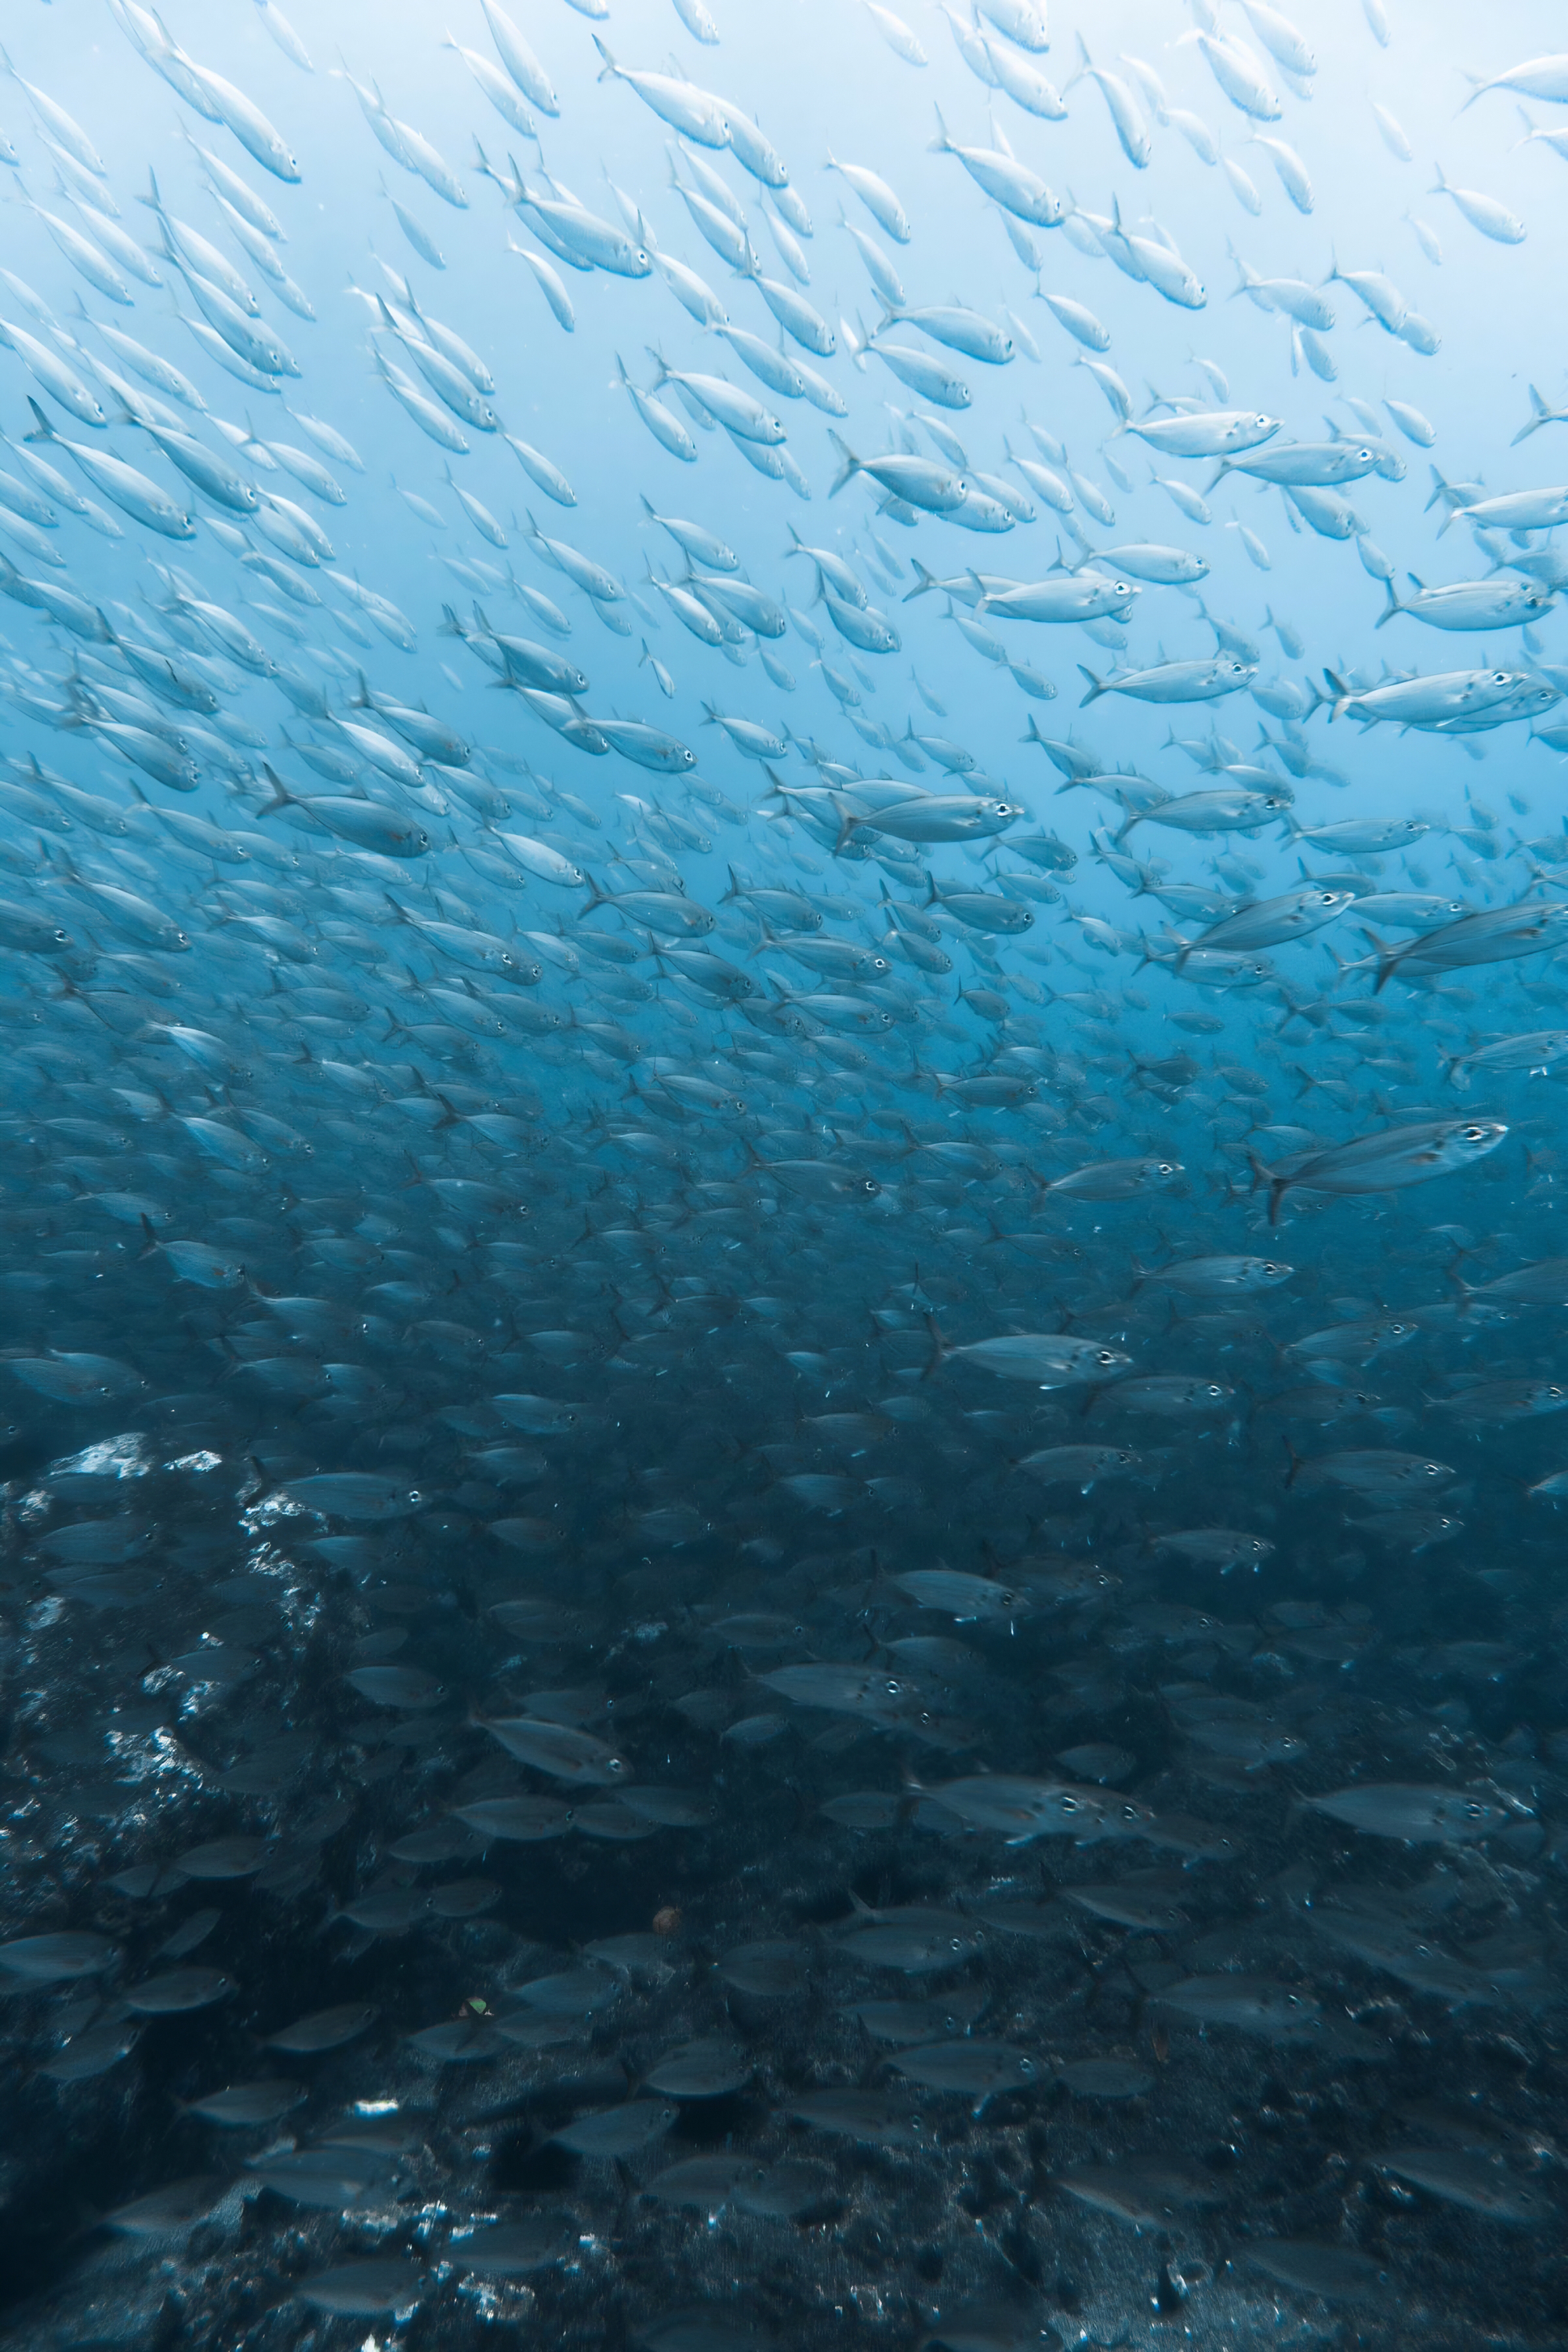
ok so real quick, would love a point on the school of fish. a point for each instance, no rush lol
(781, 878)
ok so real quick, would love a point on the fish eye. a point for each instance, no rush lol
(870, 1185)
(1106, 1358)
(1476, 1134)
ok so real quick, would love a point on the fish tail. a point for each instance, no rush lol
(282, 797)
(909, 1800)
(847, 820)
(1539, 415)
(849, 465)
(1440, 489)
(1341, 695)
(1388, 960)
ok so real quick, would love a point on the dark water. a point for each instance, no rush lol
(782, 1300)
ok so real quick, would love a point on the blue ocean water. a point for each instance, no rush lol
(780, 893)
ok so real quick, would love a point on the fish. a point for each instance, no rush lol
(1385, 1161)
(1182, 681)
(1022, 1809)
(1497, 935)
(1415, 1813)
(369, 2289)
(1146, 2194)
(1214, 433)
(608, 2134)
(63, 1956)
(1276, 2012)
(1472, 2184)
(885, 2119)
(1318, 2267)
(1045, 1359)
